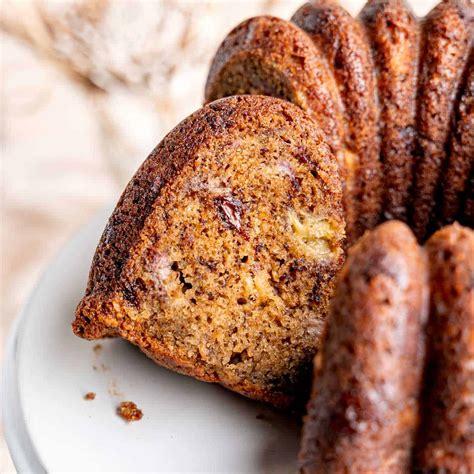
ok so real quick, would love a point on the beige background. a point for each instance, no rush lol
(87, 89)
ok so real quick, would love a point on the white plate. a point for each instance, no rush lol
(188, 426)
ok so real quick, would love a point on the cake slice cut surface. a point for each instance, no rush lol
(219, 259)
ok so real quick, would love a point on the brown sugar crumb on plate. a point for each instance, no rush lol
(89, 396)
(129, 411)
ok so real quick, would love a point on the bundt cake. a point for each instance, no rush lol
(398, 92)
(346, 50)
(221, 256)
(461, 162)
(394, 35)
(447, 33)
(376, 406)
(267, 55)
(219, 259)
(446, 436)
(362, 416)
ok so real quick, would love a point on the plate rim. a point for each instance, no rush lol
(17, 436)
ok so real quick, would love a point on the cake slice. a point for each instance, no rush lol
(219, 259)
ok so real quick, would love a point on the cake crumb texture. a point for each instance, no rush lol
(219, 259)
(129, 411)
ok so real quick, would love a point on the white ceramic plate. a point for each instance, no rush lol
(188, 426)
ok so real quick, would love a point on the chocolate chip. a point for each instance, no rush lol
(130, 295)
(303, 155)
(230, 211)
(295, 182)
(322, 279)
(140, 284)
(207, 263)
(298, 265)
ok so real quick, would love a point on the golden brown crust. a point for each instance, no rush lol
(461, 159)
(138, 290)
(342, 41)
(268, 49)
(446, 436)
(364, 407)
(447, 36)
(395, 37)
(270, 56)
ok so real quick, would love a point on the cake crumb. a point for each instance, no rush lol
(129, 411)
(89, 396)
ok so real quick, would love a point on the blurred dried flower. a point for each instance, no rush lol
(143, 63)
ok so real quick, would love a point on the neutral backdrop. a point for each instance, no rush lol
(87, 89)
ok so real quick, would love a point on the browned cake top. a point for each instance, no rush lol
(395, 37)
(342, 40)
(461, 159)
(446, 441)
(447, 38)
(271, 56)
(363, 412)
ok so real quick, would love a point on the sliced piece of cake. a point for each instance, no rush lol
(219, 259)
